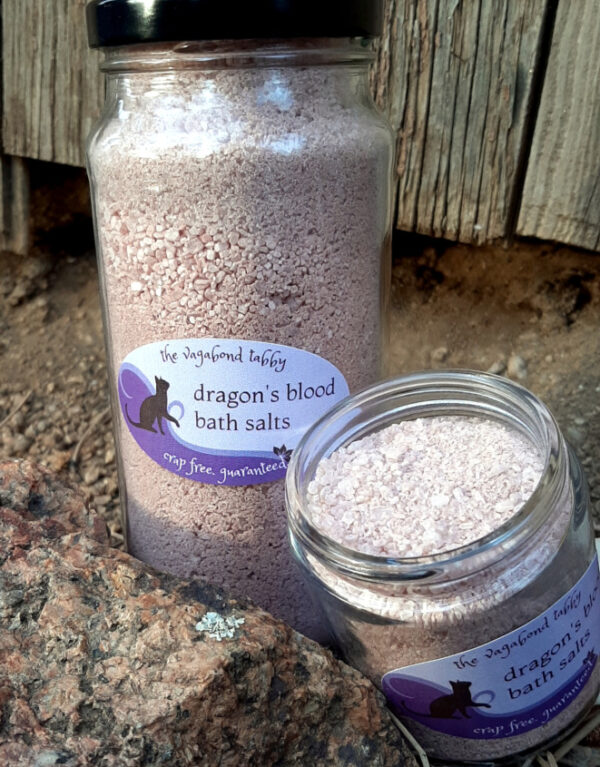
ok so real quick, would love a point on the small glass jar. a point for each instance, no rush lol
(483, 622)
(241, 184)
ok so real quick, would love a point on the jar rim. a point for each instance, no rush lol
(192, 54)
(499, 398)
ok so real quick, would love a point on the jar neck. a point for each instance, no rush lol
(248, 77)
(426, 395)
(238, 54)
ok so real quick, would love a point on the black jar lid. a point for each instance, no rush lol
(126, 22)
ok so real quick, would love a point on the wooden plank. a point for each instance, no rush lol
(53, 89)
(455, 78)
(14, 205)
(561, 195)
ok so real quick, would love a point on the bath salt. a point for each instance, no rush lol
(420, 487)
(242, 218)
(443, 525)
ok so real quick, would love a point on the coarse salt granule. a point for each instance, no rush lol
(420, 487)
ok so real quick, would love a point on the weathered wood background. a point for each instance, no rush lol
(495, 103)
(561, 196)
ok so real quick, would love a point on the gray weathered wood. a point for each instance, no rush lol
(455, 77)
(561, 195)
(14, 205)
(53, 90)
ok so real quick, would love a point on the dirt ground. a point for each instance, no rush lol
(530, 311)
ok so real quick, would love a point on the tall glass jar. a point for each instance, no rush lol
(241, 183)
(486, 651)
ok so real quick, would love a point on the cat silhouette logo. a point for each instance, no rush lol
(154, 408)
(458, 700)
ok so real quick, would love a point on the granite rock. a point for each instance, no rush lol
(106, 662)
(36, 508)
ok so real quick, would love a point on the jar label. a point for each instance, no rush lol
(513, 684)
(222, 411)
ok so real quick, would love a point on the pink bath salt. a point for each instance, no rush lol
(424, 486)
(248, 221)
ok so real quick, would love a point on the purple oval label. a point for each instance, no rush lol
(513, 684)
(224, 412)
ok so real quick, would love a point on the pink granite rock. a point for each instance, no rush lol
(106, 662)
(37, 507)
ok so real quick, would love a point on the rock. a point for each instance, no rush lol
(110, 485)
(91, 475)
(576, 436)
(21, 291)
(42, 306)
(517, 367)
(58, 459)
(440, 354)
(109, 663)
(17, 421)
(21, 443)
(497, 368)
(37, 508)
(48, 441)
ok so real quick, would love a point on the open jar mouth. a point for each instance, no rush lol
(418, 395)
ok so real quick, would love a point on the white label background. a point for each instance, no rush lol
(271, 376)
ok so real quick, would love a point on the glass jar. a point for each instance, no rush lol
(505, 630)
(241, 191)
